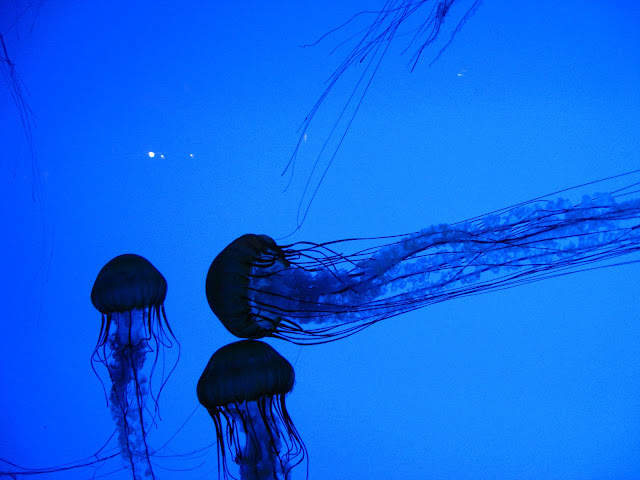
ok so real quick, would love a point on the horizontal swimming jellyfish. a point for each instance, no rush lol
(243, 387)
(129, 292)
(313, 293)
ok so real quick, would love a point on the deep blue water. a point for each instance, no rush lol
(536, 382)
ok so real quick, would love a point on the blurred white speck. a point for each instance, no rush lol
(152, 154)
(161, 156)
(191, 155)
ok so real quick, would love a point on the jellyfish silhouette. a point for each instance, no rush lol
(314, 293)
(243, 387)
(423, 22)
(129, 292)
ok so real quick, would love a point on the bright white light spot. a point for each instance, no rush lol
(161, 156)
(191, 155)
(152, 154)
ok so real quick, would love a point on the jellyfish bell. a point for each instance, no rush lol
(233, 274)
(243, 387)
(314, 293)
(128, 282)
(129, 292)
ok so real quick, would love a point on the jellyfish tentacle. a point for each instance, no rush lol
(396, 19)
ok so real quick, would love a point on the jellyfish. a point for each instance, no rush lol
(243, 387)
(129, 292)
(314, 293)
(423, 22)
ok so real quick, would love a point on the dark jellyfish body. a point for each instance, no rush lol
(243, 388)
(129, 292)
(228, 282)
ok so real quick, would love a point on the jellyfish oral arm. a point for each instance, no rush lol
(128, 342)
(498, 251)
(256, 457)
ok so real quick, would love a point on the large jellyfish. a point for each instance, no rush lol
(422, 22)
(243, 387)
(314, 293)
(129, 292)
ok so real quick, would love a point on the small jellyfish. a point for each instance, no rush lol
(243, 387)
(129, 292)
